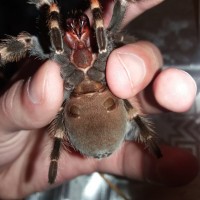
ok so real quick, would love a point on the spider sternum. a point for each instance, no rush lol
(83, 58)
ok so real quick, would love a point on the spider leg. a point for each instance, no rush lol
(57, 130)
(53, 23)
(13, 49)
(99, 26)
(147, 134)
(107, 39)
(55, 29)
(118, 15)
(123, 39)
(119, 11)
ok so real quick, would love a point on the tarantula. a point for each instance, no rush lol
(91, 118)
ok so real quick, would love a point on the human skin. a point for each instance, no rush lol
(29, 105)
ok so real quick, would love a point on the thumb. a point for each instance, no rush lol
(33, 103)
(132, 67)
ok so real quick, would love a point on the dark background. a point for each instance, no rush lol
(16, 15)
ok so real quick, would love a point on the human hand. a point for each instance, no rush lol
(28, 106)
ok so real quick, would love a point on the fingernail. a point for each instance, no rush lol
(160, 175)
(159, 172)
(35, 90)
(171, 170)
(134, 68)
(150, 171)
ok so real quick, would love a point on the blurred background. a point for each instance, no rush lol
(174, 26)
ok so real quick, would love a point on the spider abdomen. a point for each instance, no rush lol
(96, 123)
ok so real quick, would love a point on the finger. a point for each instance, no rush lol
(176, 167)
(173, 89)
(32, 103)
(131, 68)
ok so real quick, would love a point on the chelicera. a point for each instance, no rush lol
(91, 118)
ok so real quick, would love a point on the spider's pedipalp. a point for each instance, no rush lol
(13, 49)
(99, 26)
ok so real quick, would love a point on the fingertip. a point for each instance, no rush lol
(33, 103)
(125, 73)
(175, 90)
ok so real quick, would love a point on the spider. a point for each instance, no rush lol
(91, 118)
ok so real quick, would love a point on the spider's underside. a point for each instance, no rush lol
(92, 119)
